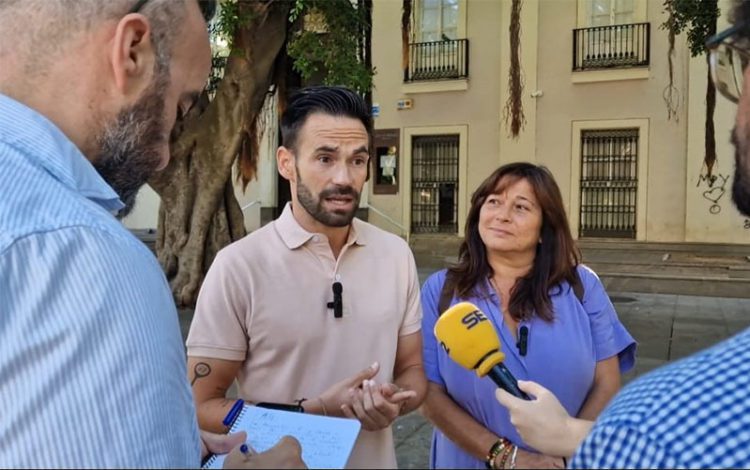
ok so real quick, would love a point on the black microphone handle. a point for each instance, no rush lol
(505, 380)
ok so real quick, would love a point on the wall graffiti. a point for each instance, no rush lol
(716, 189)
(746, 226)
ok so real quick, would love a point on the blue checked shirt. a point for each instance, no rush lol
(92, 365)
(694, 413)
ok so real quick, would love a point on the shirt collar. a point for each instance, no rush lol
(294, 236)
(44, 144)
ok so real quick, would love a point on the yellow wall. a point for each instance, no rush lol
(673, 201)
(565, 102)
(710, 215)
(671, 207)
(476, 108)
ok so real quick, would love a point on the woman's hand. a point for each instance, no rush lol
(542, 422)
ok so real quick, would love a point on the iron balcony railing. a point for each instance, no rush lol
(618, 46)
(438, 60)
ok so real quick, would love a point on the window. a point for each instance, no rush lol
(611, 34)
(611, 12)
(438, 49)
(609, 183)
(602, 13)
(434, 184)
(437, 20)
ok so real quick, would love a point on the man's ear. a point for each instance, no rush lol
(286, 164)
(132, 55)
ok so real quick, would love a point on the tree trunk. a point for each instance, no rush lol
(710, 156)
(406, 11)
(199, 214)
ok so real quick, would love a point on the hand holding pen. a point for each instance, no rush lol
(287, 453)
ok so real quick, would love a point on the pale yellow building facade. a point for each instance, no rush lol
(595, 74)
(624, 168)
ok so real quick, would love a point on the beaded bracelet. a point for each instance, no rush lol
(495, 450)
(504, 456)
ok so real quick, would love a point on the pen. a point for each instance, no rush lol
(228, 422)
(233, 413)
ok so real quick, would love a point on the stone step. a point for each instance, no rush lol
(706, 249)
(714, 270)
(679, 285)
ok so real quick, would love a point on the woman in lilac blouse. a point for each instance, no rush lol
(519, 264)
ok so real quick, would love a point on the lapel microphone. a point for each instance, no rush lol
(338, 304)
(523, 340)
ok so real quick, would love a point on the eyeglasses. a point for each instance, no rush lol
(208, 8)
(729, 54)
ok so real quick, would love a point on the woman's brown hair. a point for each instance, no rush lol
(556, 257)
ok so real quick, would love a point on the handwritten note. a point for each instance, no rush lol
(326, 442)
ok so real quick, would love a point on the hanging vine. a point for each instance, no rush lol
(698, 17)
(406, 8)
(513, 110)
(671, 94)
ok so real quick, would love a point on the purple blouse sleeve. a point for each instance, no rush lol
(609, 335)
(430, 298)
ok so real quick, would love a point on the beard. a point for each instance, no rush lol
(129, 145)
(314, 206)
(741, 182)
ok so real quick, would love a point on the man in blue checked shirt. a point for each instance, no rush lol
(694, 413)
(92, 365)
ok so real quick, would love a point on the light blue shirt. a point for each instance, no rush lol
(694, 413)
(92, 366)
(561, 355)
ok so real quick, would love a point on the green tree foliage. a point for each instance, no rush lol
(697, 17)
(329, 42)
(325, 39)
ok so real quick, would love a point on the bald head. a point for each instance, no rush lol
(36, 33)
(110, 78)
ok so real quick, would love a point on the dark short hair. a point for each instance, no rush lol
(331, 100)
(556, 257)
(741, 16)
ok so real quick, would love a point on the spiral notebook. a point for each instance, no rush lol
(326, 442)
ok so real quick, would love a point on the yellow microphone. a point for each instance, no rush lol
(469, 338)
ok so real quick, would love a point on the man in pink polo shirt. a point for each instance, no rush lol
(317, 308)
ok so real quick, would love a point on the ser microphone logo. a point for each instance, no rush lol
(473, 319)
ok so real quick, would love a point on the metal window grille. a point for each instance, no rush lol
(434, 186)
(609, 183)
